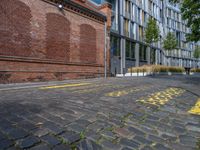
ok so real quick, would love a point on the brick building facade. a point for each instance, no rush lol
(40, 41)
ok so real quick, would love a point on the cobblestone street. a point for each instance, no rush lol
(144, 113)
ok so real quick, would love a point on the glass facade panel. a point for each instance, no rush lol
(142, 52)
(129, 20)
(97, 1)
(115, 48)
(130, 50)
(153, 56)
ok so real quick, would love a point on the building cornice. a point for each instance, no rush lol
(76, 8)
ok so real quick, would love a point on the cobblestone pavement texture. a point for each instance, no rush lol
(143, 113)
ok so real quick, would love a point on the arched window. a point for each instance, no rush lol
(58, 37)
(15, 27)
(87, 44)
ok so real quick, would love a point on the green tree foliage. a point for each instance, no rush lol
(170, 42)
(152, 31)
(175, 1)
(190, 10)
(197, 52)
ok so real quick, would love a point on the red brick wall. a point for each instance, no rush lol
(58, 37)
(88, 43)
(15, 28)
(40, 42)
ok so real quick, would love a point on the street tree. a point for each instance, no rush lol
(170, 42)
(196, 53)
(190, 10)
(152, 32)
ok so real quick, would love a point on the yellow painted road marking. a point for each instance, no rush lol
(124, 92)
(162, 97)
(96, 88)
(64, 86)
(195, 110)
(80, 88)
(88, 90)
(93, 88)
(120, 93)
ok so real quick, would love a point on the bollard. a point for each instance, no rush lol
(131, 71)
(124, 71)
(143, 72)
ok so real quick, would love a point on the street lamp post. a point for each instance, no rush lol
(105, 51)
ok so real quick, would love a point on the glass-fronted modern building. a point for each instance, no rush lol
(129, 20)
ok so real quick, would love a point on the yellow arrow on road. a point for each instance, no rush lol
(195, 110)
(125, 92)
(162, 97)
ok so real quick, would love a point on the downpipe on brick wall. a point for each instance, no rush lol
(105, 51)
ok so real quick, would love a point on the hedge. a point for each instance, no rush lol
(156, 69)
(195, 70)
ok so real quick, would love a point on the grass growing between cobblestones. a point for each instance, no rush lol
(63, 141)
(113, 129)
(110, 128)
(101, 122)
(125, 119)
(73, 145)
(143, 119)
(82, 135)
(99, 140)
